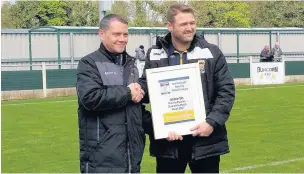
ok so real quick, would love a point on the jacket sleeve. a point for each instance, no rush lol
(147, 121)
(143, 79)
(93, 95)
(225, 92)
(263, 54)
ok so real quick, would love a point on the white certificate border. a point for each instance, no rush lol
(198, 80)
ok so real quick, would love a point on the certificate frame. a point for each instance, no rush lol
(176, 98)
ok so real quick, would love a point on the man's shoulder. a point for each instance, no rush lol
(205, 47)
(92, 57)
(154, 47)
(156, 53)
(205, 44)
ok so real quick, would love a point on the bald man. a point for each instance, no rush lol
(266, 55)
(276, 51)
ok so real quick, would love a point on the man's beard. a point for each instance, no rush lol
(181, 39)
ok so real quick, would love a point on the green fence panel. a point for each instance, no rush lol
(63, 78)
(294, 68)
(21, 80)
(239, 70)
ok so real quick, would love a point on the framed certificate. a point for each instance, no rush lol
(176, 97)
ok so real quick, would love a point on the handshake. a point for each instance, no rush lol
(136, 92)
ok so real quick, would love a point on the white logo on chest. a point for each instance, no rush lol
(110, 73)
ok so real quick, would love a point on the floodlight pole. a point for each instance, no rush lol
(101, 10)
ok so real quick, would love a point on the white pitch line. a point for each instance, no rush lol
(276, 163)
(36, 103)
(266, 87)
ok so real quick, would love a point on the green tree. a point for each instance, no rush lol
(222, 14)
(84, 13)
(28, 14)
(6, 18)
(147, 13)
(121, 8)
(53, 13)
(277, 14)
(140, 18)
(158, 14)
(24, 14)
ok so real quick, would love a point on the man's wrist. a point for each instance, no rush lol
(211, 123)
(129, 94)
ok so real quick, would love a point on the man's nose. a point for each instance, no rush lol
(189, 27)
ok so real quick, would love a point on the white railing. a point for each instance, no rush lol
(43, 67)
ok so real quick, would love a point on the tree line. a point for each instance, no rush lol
(147, 13)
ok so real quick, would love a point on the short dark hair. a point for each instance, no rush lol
(141, 46)
(173, 10)
(105, 22)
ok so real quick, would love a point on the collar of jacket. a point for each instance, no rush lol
(164, 42)
(115, 58)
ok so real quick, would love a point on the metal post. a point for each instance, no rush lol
(270, 39)
(30, 49)
(284, 68)
(103, 7)
(219, 44)
(278, 37)
(43, 79)
(72, 49)
(101, 12)
(151, 40)
(251, 69)
(58, 49)
(238, 46)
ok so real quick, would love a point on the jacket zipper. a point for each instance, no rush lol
(128, 139)
(97, 129)
(129, 158)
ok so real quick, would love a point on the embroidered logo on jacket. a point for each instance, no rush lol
(157, 54)
(110, 73)
(202, 65)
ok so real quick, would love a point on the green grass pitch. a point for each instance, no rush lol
(265, 131)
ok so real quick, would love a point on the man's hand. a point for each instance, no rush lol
(136, 92)
(172, 136)
(203, 129)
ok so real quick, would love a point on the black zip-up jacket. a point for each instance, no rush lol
(218, 90)
(110, 123)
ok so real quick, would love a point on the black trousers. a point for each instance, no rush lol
(206, 165)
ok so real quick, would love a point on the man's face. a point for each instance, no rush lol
(183, 27)
(267, 48)
(115, 38)
(277, 46)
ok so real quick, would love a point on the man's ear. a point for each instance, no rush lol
(101, 33)
(169, 25)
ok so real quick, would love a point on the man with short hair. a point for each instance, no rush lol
(109, 114)
(266, 55)
(276, 51)
(203, 148)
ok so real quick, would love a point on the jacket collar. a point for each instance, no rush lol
(166, 41)
(120, 58)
